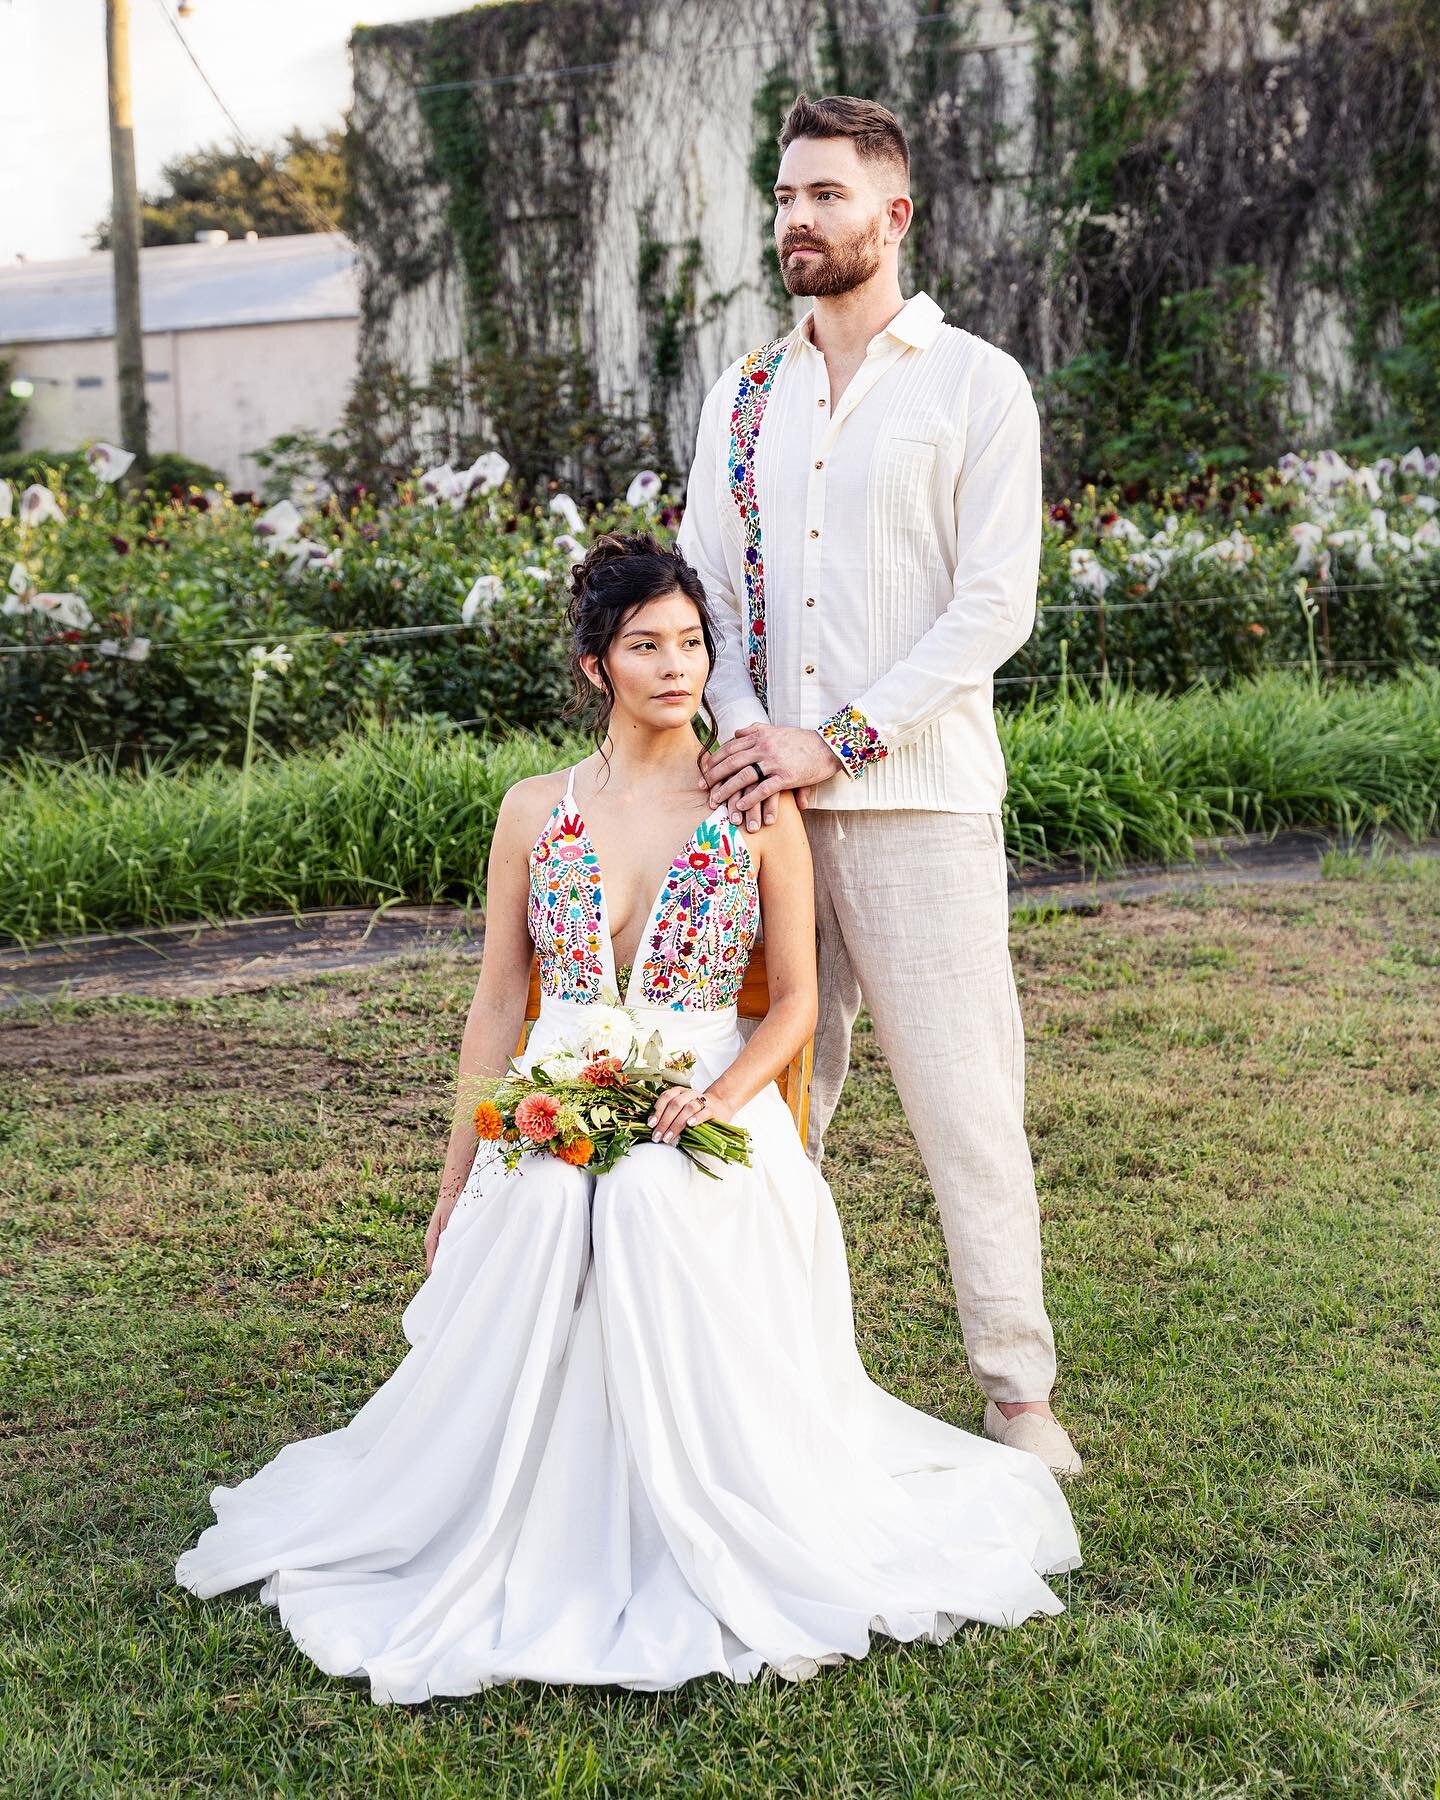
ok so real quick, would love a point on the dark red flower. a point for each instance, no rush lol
(120, 546)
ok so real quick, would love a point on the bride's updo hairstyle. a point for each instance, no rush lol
(620, 572)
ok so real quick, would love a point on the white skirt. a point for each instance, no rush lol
(633, 1442)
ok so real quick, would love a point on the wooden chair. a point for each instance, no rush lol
(752, 1002)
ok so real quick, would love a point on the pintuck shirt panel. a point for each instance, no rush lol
(897, 546)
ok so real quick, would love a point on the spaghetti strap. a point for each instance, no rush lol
(570, 787)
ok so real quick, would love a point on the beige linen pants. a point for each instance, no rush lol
(913, 917)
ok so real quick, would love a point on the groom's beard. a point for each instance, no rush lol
(846, 264)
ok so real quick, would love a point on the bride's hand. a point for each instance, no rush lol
(678, 1107)
(439, 1219)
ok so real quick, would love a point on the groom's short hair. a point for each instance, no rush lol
(873, 129)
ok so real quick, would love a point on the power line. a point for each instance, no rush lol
(695, 50)
(321, 220)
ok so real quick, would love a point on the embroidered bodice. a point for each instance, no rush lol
(696, 943)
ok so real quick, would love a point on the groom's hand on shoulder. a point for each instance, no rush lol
(787, 756)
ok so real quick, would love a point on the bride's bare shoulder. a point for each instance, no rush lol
(528, 803)
(784, 840)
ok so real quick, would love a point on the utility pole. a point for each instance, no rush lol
(125, 244)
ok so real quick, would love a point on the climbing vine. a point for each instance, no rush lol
(1170, 212)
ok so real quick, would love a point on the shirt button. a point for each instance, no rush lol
(819, 402)
(809, 668)
(819, 465)
(811, 601)
(814, 534)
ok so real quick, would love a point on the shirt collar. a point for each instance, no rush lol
(915, 325)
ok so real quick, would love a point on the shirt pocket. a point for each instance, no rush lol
(905, 544)
(901, 500)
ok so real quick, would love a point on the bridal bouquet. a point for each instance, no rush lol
(587, 1100)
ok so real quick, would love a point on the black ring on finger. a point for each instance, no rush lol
(758, 770)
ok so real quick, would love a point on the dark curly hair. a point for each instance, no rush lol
(620, 572)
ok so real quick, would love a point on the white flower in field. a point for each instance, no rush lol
(1170, 527)
(1087, 572)
(108, 461)
(487, 472)
(38, 503)
(1331, 471)
(262, 661)
(1126, 530)
(133, 650)
(1426, 502)
(280, 523)
(1397, 540)
(644, 490)
(486, 591)
(1306, 537)
(1379, 524)
(1413, 461)
(1428, 536)
(1365, 557)
(442, 483)
(1367, 482)
(1290, 466)
(1193, 540)
(1235, 548)
(302, 553)
(68, 610)
(1151, 564)
(1384, 467)
(7, 499)
(572, 547)
(569, 512)
(535, 572)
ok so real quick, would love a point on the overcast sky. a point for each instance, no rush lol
(275, 63)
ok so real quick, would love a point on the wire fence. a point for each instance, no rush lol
(342, 634)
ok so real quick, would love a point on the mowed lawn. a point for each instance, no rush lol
(213, 1216)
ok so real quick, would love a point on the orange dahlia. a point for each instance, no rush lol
(604, 1071)
(535, 1117)
(489, 1122)
(578, 1151)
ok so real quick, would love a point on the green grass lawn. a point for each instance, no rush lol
(213, 1216)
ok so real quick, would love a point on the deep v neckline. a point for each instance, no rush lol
(569, 807)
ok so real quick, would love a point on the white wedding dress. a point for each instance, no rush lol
(632, 1440)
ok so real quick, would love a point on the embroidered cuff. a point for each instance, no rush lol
(853, 739)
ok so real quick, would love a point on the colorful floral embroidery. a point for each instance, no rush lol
(564, 911)
(704, 925)
(757, 378)
(853, 739)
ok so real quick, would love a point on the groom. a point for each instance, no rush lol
(865, 503)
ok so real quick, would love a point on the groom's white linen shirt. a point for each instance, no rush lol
(901, 547)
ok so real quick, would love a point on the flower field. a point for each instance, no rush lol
(128, 626)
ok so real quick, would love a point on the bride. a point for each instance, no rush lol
(632, 1440)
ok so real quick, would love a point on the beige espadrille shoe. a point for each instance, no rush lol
(1032, 1431)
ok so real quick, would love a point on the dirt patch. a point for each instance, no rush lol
(126, 1057)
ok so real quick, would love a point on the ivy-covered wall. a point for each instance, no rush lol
(1201, 224)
